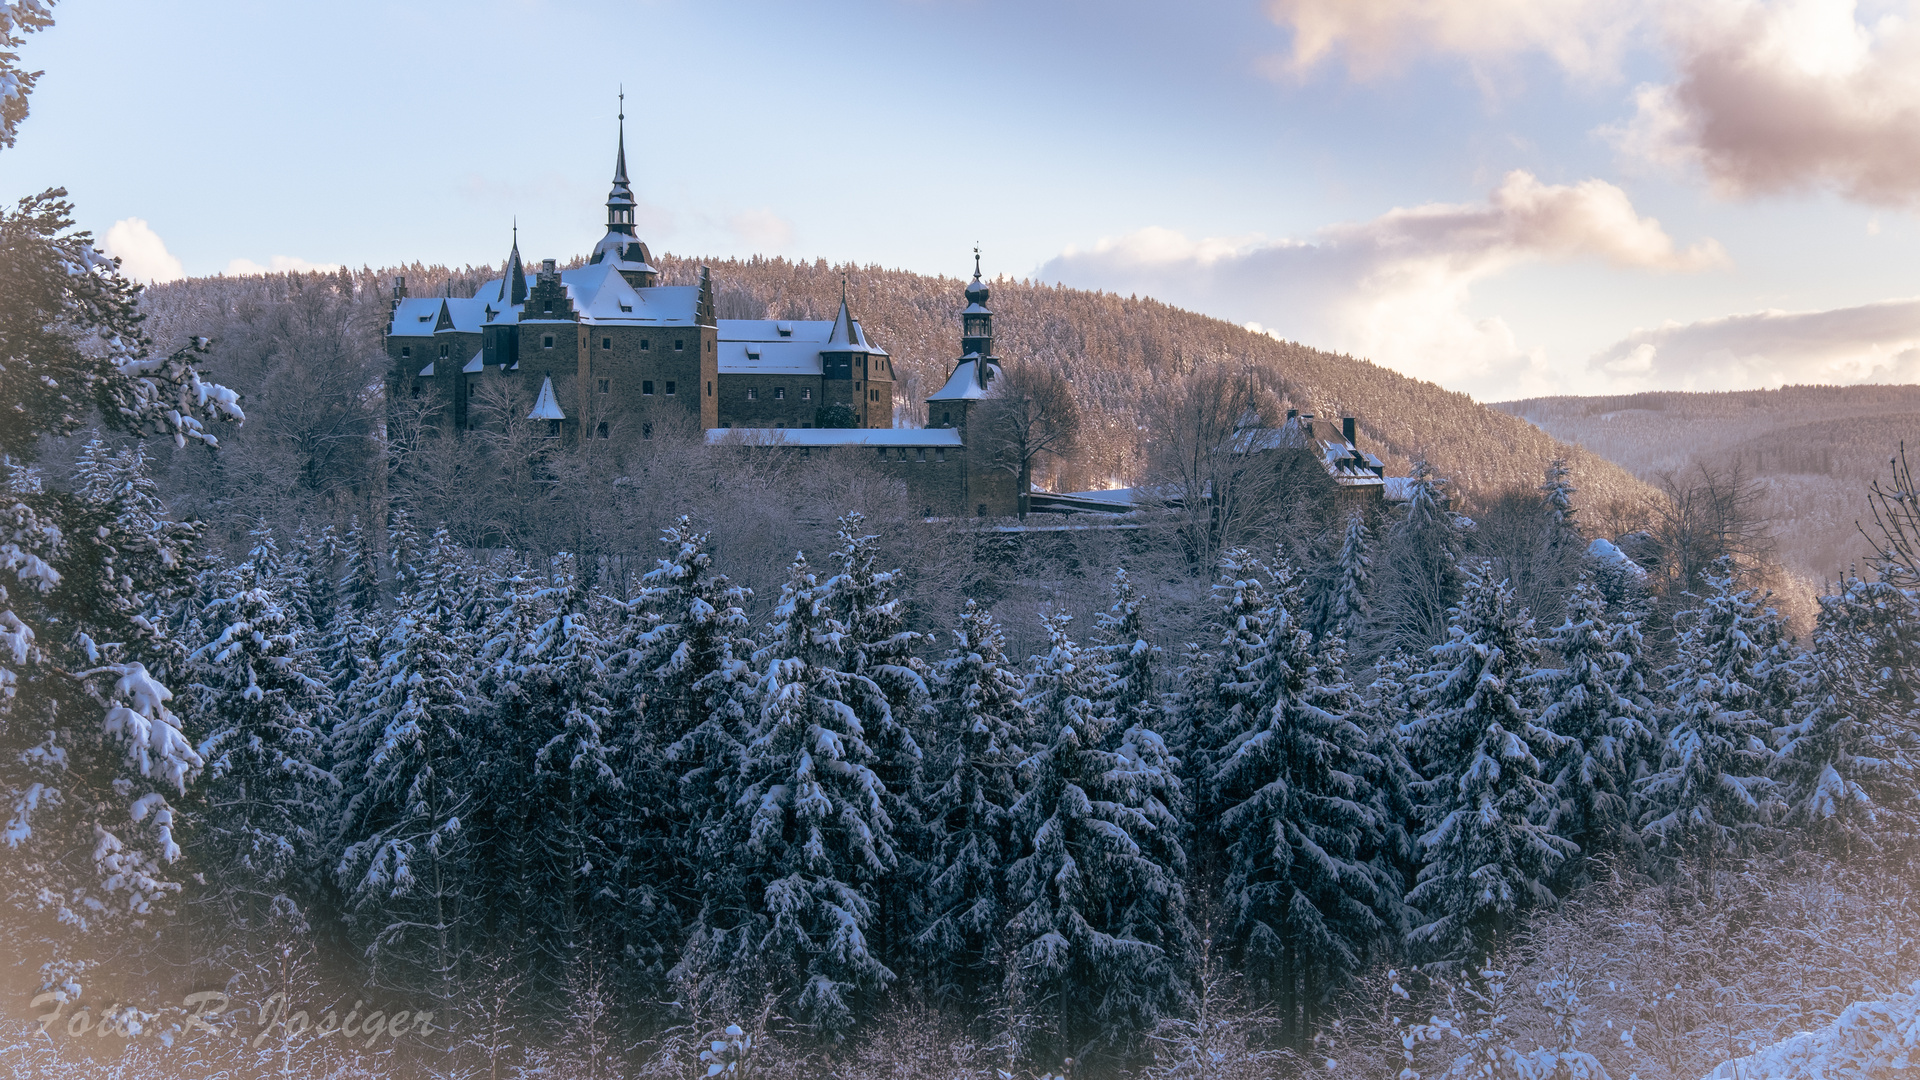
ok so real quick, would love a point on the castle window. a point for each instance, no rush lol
(779, 393)
(643, 344)
(922, 455)
(883, 453)
(606, 385)
(709, 387)
(553, 429)
(982, 511)
(546, 341)
(806, 394)
(753, 393)
(679, 345)
(669, 387)
(416, 389)
(606, 343)
(806, 451)
(940, 454)
(646, 387)
(785, 329)
(626, 308)
(443, 352)
(549, 310)
(406, 351)
(601, 431)
(646, 431)
(946, 418)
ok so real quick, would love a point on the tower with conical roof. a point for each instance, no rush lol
(977, 367)
(855, 372)
(621, 246)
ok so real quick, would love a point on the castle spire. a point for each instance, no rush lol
(976, 322)
(621, 246)
(513, 281)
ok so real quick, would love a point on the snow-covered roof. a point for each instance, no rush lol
(476, 363)
(965, 384)
(1399, 489)
(417, 316)
(769, 357)
(547, 407)
(427, 372)
(814, 330)
(834, 436)
(1346, 464)
(1117, 496)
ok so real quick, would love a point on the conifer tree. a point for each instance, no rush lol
(1487, 852)
(1849, 761)
(1124, 658)
(983, 727)
(1418, 574)
(1347, 608)
(808, 840)
(1100, 931)
(404, 747)
(266, 792)
(1713, 791)
(1606, 729)
(1298, 824)
(1220, 697)
(681, 683)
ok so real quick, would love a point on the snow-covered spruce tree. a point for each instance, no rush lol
(1218, 698)
(93, 755)
(1124, 660)
(982, 727)
(1417, 574)
(879, 650)
(1849, 762)
(1356, 576)
(555, 799)
(1297, 824)
(1712, 793)
(680, 686)
(807, 843)
(403, 754)
(1606, 730)
(1487, 850)
(1100, 935)
(1394, 697)
(266, 798)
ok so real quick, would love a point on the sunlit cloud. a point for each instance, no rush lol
(143, 255)
(1396, 289)
(1869, 343)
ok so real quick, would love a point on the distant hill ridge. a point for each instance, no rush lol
(1816, 448)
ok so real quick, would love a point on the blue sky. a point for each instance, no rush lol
(1508, 196)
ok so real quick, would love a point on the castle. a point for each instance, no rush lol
(603, 351)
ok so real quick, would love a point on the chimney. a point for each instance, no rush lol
(1350, 427)
(399, 292)
(1293, 414)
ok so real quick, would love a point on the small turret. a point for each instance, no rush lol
(976, 322)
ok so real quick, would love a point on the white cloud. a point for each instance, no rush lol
(1763, 95)
(278, 264)
(1782, 96)
(143, 255)
(1395, 289)
(1871, 343)
(1375, 37)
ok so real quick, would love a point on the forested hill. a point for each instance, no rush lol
(1813, 449)
(1112, 347)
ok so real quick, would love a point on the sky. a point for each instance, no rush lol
(1508, 197)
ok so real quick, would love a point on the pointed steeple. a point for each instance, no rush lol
(976, 322)
(845, 336)
(513, 282)
(620, 246)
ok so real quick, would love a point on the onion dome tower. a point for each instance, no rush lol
(620, 246)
